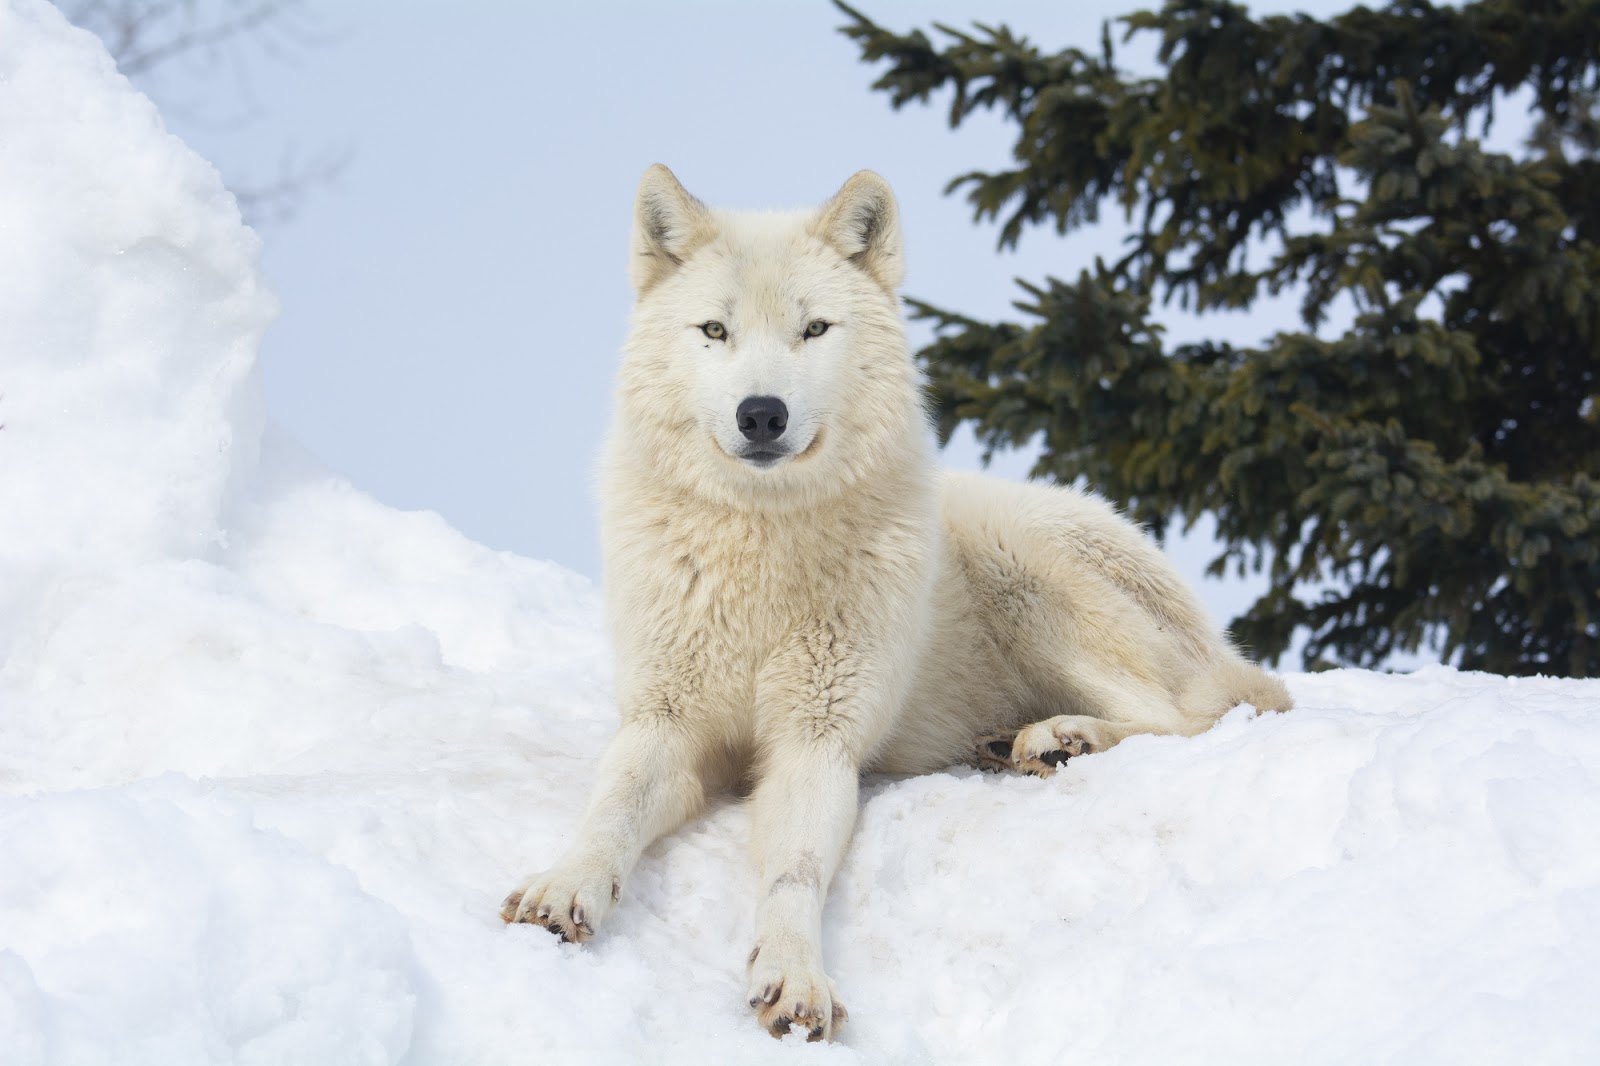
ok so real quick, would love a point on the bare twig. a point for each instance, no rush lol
(148, 38)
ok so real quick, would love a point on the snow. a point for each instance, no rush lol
(271, 753)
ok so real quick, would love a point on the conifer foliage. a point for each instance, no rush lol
(1428, 477)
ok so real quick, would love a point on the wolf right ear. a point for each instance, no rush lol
(668, 224)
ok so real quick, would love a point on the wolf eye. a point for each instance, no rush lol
(715, 330)
(817, 327)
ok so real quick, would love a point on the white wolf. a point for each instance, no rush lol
(797, 596)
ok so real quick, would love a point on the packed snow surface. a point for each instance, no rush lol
(271, 753)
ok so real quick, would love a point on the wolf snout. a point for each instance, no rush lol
(762, 418)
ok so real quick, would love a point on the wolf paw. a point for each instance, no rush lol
(788, 988)
(992, 751)
(570, 901)
(1041, 747)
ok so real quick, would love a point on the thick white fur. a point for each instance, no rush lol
(844, 609)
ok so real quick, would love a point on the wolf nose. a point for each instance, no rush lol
(762, 418)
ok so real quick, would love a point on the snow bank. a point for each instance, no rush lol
(130, 312)
(158, 924)
(271, 754)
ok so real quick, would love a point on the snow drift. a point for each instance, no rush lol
(271, 753)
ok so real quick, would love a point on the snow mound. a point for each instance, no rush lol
(271, 754)
(130, 314)
(128, 904)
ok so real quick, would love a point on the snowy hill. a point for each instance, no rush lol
(272, 753)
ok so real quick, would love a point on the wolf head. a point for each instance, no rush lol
(766, 364)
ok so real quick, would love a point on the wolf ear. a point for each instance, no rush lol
(668, 224)
(863, 223)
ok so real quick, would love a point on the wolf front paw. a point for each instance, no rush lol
(1041, 747)
(570, 901)
(788, 988)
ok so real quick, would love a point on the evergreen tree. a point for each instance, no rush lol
(1433, 473)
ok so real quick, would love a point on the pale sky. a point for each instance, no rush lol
(454, 303)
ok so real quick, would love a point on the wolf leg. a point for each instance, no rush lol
(1041, 747)
(804, 810)
(649, 784)
(1123, 706)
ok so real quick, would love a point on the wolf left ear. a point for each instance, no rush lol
(863, 223)
(668, 224)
